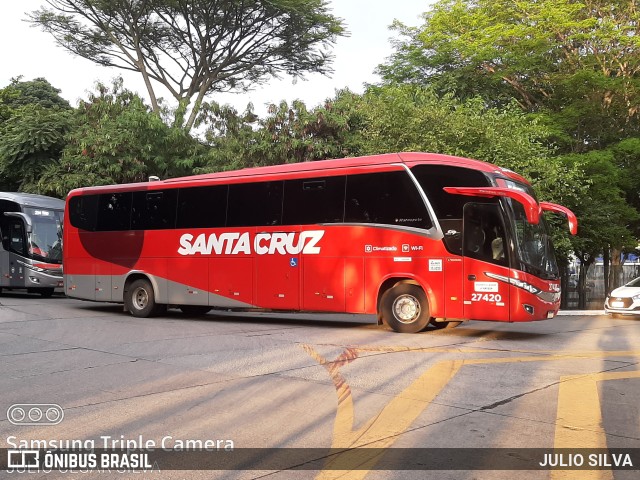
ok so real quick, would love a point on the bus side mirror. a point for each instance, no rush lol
(571, 217)
(25, 218)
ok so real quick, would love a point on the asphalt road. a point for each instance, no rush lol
(270, 382)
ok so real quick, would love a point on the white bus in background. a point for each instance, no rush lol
(31, 247)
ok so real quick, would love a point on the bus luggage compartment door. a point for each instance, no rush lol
(277, 269)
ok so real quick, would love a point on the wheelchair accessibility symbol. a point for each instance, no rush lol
(293, 262)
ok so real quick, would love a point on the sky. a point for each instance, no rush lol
(28, 51)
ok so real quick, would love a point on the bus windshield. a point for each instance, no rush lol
(45, 240)
(532, 242)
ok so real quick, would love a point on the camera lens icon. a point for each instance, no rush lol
(35, 414)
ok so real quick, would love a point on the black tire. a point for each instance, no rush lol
(441, 325)
(195, 309)
(140, 299)
(46, 292)
(405, 308)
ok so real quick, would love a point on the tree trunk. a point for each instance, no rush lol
(616, 268)
(585, 262)
(564, 286)
(606, 260)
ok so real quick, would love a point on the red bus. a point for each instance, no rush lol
(415, 238)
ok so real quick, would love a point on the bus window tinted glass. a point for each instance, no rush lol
(255, 204)
(202, 207)
(154, 210)
(314, 200)
(389, 198)
(83, 212)
(433, 178)
(114, 211)
(14, 236)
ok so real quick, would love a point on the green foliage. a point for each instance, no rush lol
(194, 48)
(289, 133)
(7, 97)
(32, 139)
(605, 216)
(33, 122)
(34, 92)
(115, 138)
(577, 62)
(627, 162)
(414, 118)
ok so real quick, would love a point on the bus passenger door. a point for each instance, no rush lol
(277, 267)
(15, 242)
(486, 266)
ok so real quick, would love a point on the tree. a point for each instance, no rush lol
(34, 119)
(289, 133)
(194, 48)
(414, 118)
(577, 61)
(605, 216)
(115, 138)
(32, 139)
(34, 92)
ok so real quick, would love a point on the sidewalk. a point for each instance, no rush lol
(580, 312)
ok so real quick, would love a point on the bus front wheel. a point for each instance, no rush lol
(405, 308)
(140, 299)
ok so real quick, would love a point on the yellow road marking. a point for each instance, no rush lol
(579, 419)
(383, 430)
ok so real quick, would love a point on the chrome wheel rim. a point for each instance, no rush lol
(140, 298)
(406, 308)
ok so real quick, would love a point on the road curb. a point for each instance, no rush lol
(568, 313)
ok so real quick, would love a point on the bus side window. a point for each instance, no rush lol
(389, 198)
(83, 211)
(114, 212)
(255, 204)
(202, 207)
(154, 210)
(314, 200)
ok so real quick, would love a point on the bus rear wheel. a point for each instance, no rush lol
(405, 308)
(195, 309)
(140, 299)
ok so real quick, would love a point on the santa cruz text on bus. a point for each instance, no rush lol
(234, 243)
